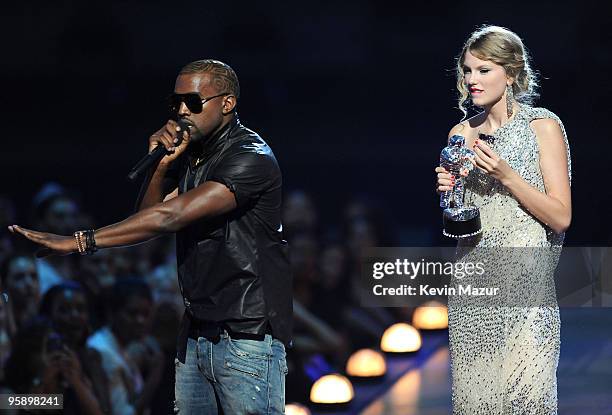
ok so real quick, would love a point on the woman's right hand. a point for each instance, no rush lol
(49, 380)
(166, 136)
(446, 181)
(70, 366)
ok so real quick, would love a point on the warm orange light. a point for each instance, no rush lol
(296, 409)
(332, 389)
(400, 338)
(366, 363)
(431, 315)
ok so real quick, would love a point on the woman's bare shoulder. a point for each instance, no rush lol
(466, 127)
(458, 129)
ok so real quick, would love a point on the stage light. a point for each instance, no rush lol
(400, 338)
(366, 363)
(332, 389)
(296, 409)
(431, 315)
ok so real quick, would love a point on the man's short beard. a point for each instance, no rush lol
(195, 135)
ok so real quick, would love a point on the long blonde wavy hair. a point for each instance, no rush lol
(503, 47)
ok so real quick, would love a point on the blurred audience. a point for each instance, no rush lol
(132, 360)
(105, 331)
(42, 363)
(5, 335)
(55, 210)
(19, 277)
(67, 307)
(300, 215)
(7, 217)
(329, 320)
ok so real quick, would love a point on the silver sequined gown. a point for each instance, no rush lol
(504, 353)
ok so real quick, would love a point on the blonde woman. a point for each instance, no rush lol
(504, 355)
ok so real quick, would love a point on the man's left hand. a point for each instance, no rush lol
(50, 243)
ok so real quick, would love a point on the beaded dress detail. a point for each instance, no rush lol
(505, 349)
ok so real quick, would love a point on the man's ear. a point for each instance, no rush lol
(229, 104)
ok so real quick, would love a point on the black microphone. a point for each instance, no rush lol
(157, 154)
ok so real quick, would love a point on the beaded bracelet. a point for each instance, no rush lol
(86, 242)
(81, 247)
(90, 242)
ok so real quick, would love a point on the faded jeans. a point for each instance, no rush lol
(231, 377)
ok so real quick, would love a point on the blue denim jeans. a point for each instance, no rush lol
(231, 377)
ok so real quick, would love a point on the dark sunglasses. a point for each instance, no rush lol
(193, 101)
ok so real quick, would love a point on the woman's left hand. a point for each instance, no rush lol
(489, 162)
(51, 244)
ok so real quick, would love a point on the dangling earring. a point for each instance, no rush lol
(509, 100)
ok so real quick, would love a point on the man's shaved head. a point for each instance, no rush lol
(223, 77)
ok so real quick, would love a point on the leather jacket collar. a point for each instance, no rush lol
(212, 144)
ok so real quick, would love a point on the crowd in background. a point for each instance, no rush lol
(102, 329)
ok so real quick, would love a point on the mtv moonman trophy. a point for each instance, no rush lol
(460, 221)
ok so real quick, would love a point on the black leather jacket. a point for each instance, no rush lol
(234, 269)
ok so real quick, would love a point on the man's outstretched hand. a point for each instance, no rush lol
(50, 243)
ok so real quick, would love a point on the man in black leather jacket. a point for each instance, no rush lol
(219, 190)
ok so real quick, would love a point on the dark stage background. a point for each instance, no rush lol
(355, 98)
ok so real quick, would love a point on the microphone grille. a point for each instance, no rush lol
(183, 125)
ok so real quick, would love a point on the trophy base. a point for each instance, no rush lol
(461, 222)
